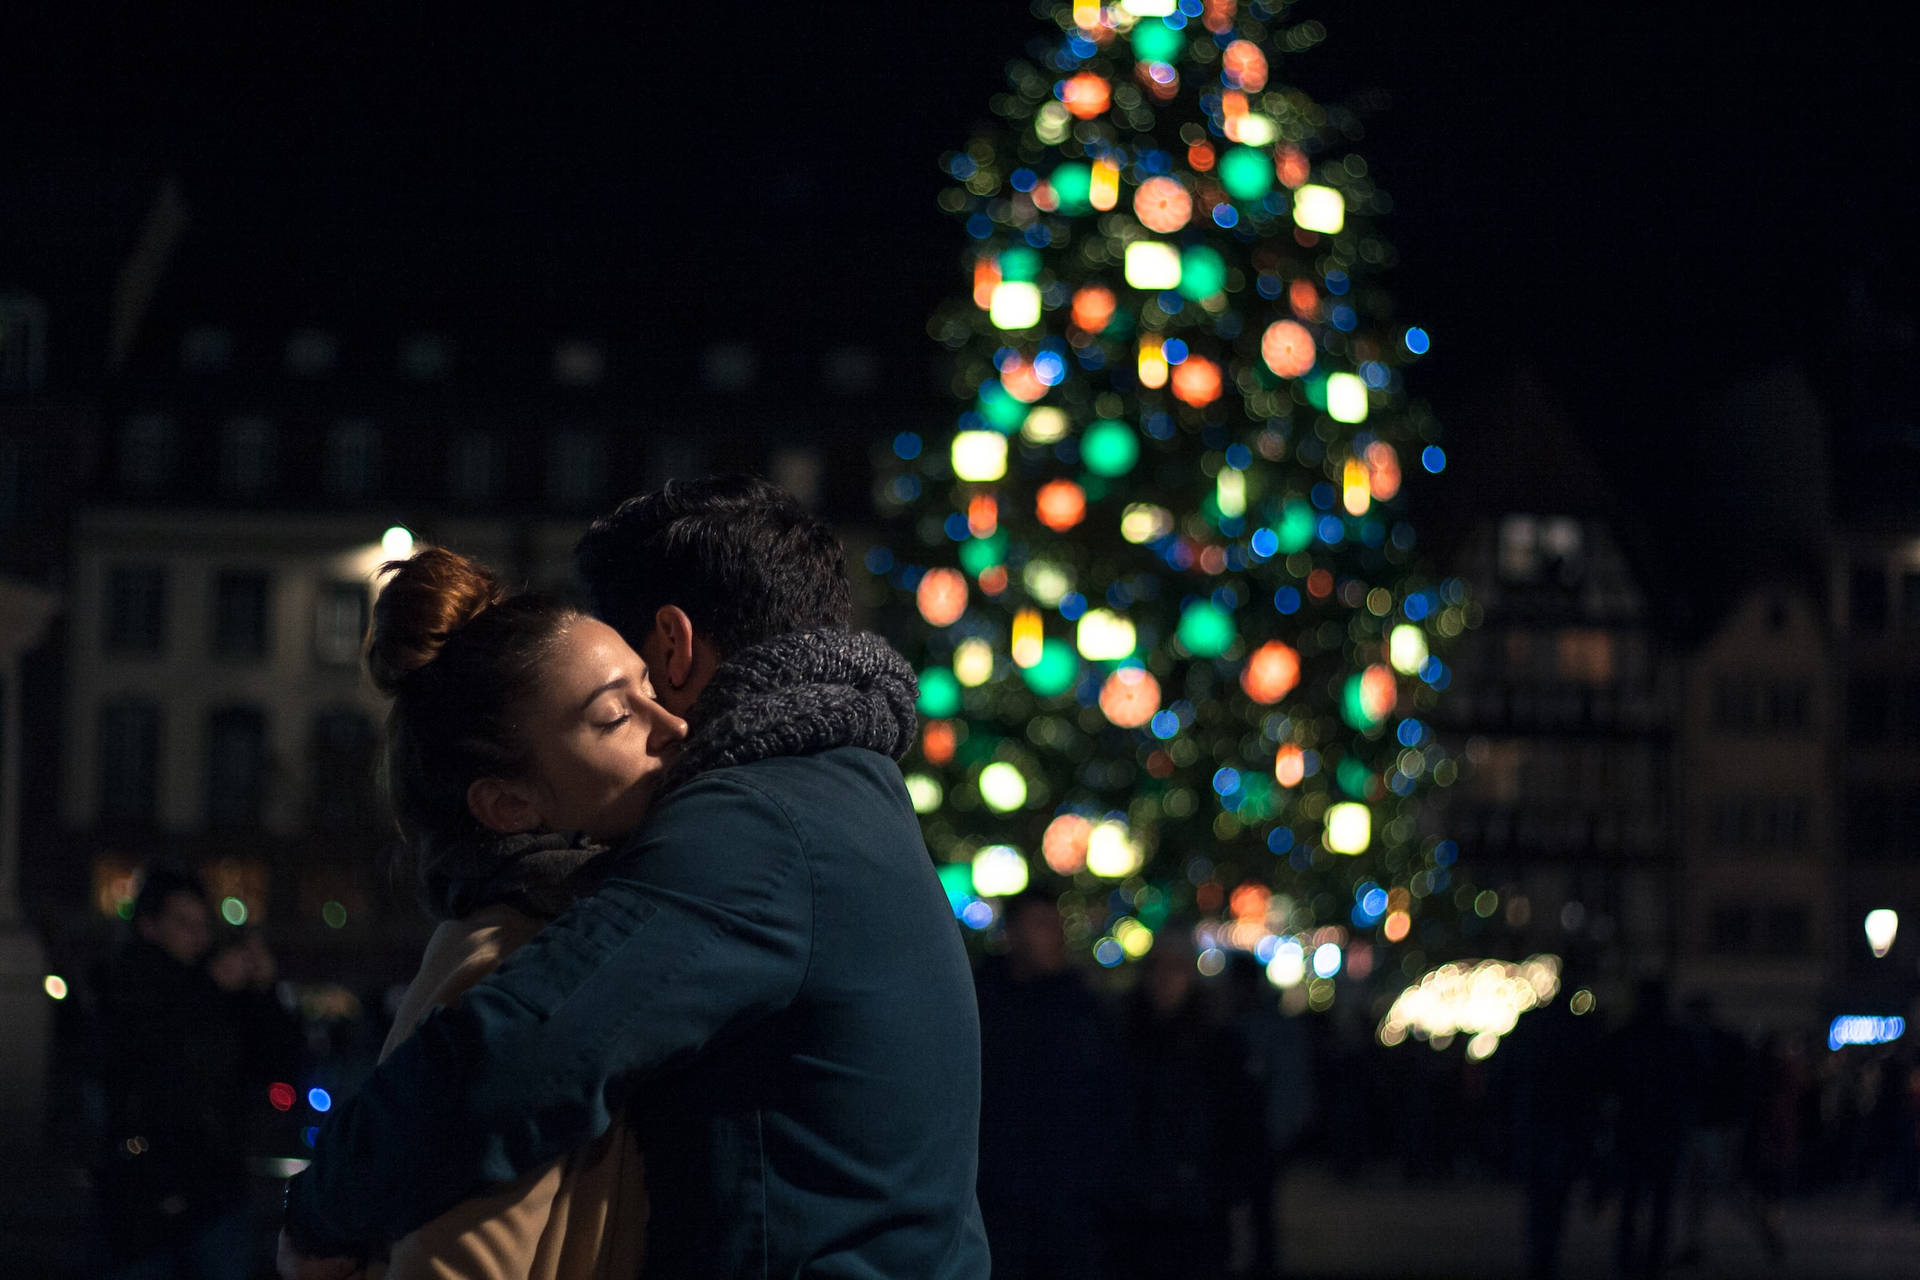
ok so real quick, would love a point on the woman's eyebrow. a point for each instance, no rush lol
(619, 681)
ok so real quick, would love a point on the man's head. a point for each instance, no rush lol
(171, 912)
(1036, 942)
(701, 569)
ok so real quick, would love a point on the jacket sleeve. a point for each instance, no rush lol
(703, 930)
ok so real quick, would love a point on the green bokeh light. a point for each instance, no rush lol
(1054, 674)
(1073, 185)
(1206, 629)
(1020, 263)
(1247, 174)
(1295, 530)
(1109, 448)
(1203, 272)
(1155, 41)
(998, 406)
(977, 555)
(939, 693)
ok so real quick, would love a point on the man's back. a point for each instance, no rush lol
(838, 1136)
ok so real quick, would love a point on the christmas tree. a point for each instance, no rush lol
(1174, 657)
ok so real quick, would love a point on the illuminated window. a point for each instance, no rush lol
(236, 766)
(146, 451)
(240, 615)
(339, 623)
(1584, 655)
(136, 609)
(351, 466)
(247, 456)
(129, 761)
(1539, 547)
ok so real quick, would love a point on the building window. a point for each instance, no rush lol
(1869, 709)
(206, 350)
(241, 610)
(1584, 656)
(136, 612)
(1537, 547)
(236, 767)
(1746, 706)
(729, 366)
(247, 457)
(471, 473)
(1867, 597)
(311, 353)
(576, 468)
(342, 758)
(1871, 822)
(146, 451)
(1730, 929)
(351, 468)
(339, 623)
(579, 363)
(129, 761)
(1751, 823)
(426, 357)
(13, 479)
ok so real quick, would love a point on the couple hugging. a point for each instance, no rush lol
(687, 919)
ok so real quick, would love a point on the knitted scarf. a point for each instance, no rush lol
(799, 694)
(540, 873)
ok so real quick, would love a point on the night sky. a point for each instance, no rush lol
(1642, 204)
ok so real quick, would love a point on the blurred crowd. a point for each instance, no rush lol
(1137, 1132)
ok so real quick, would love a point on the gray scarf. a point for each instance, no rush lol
(799, 694)
(540, 873)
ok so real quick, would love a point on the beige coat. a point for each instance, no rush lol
(580, 1218)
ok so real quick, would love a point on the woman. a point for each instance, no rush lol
(523, 738)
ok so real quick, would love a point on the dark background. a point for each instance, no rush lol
(1642, 204)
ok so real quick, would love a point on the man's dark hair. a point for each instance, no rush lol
(159, 881)
(739, 554)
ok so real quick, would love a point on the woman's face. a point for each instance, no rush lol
(598, 741)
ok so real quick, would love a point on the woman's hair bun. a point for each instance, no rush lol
(424, 600)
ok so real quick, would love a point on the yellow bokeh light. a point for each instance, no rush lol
(1346, 398)
(1144, 522)
(1104, 636)
(1046, 581)
(979, 456)
(1104, 190)
(1317, 208)
(1003, 787)
(973, 662)
(1112, 852)
(924, 791)
(1153, 266)
(1230, 492)
(1028, 637)
(1044, 425)
(1152, 368)
(1407, 649)
(999, 870)
(1356, 493)
(1016, 305)
(1349, 828)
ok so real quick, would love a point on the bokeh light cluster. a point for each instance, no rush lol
(1157, 580)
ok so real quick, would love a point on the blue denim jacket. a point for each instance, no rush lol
(772, 982)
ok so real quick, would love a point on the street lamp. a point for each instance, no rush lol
(1882, 924)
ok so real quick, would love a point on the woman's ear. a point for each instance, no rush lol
(503, 806)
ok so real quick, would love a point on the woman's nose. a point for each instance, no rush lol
(666, 725)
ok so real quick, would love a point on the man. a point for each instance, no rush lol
(187, 1049)
(769, 979)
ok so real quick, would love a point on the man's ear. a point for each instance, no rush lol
(503, 806)
(673, 629)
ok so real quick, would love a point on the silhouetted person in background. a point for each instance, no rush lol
(190, 1039)
(1275, 1084)
(1183, 1075)
(1052, 1103)
(1711, 1162)
(1649, 1063)
(1550, 1067)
